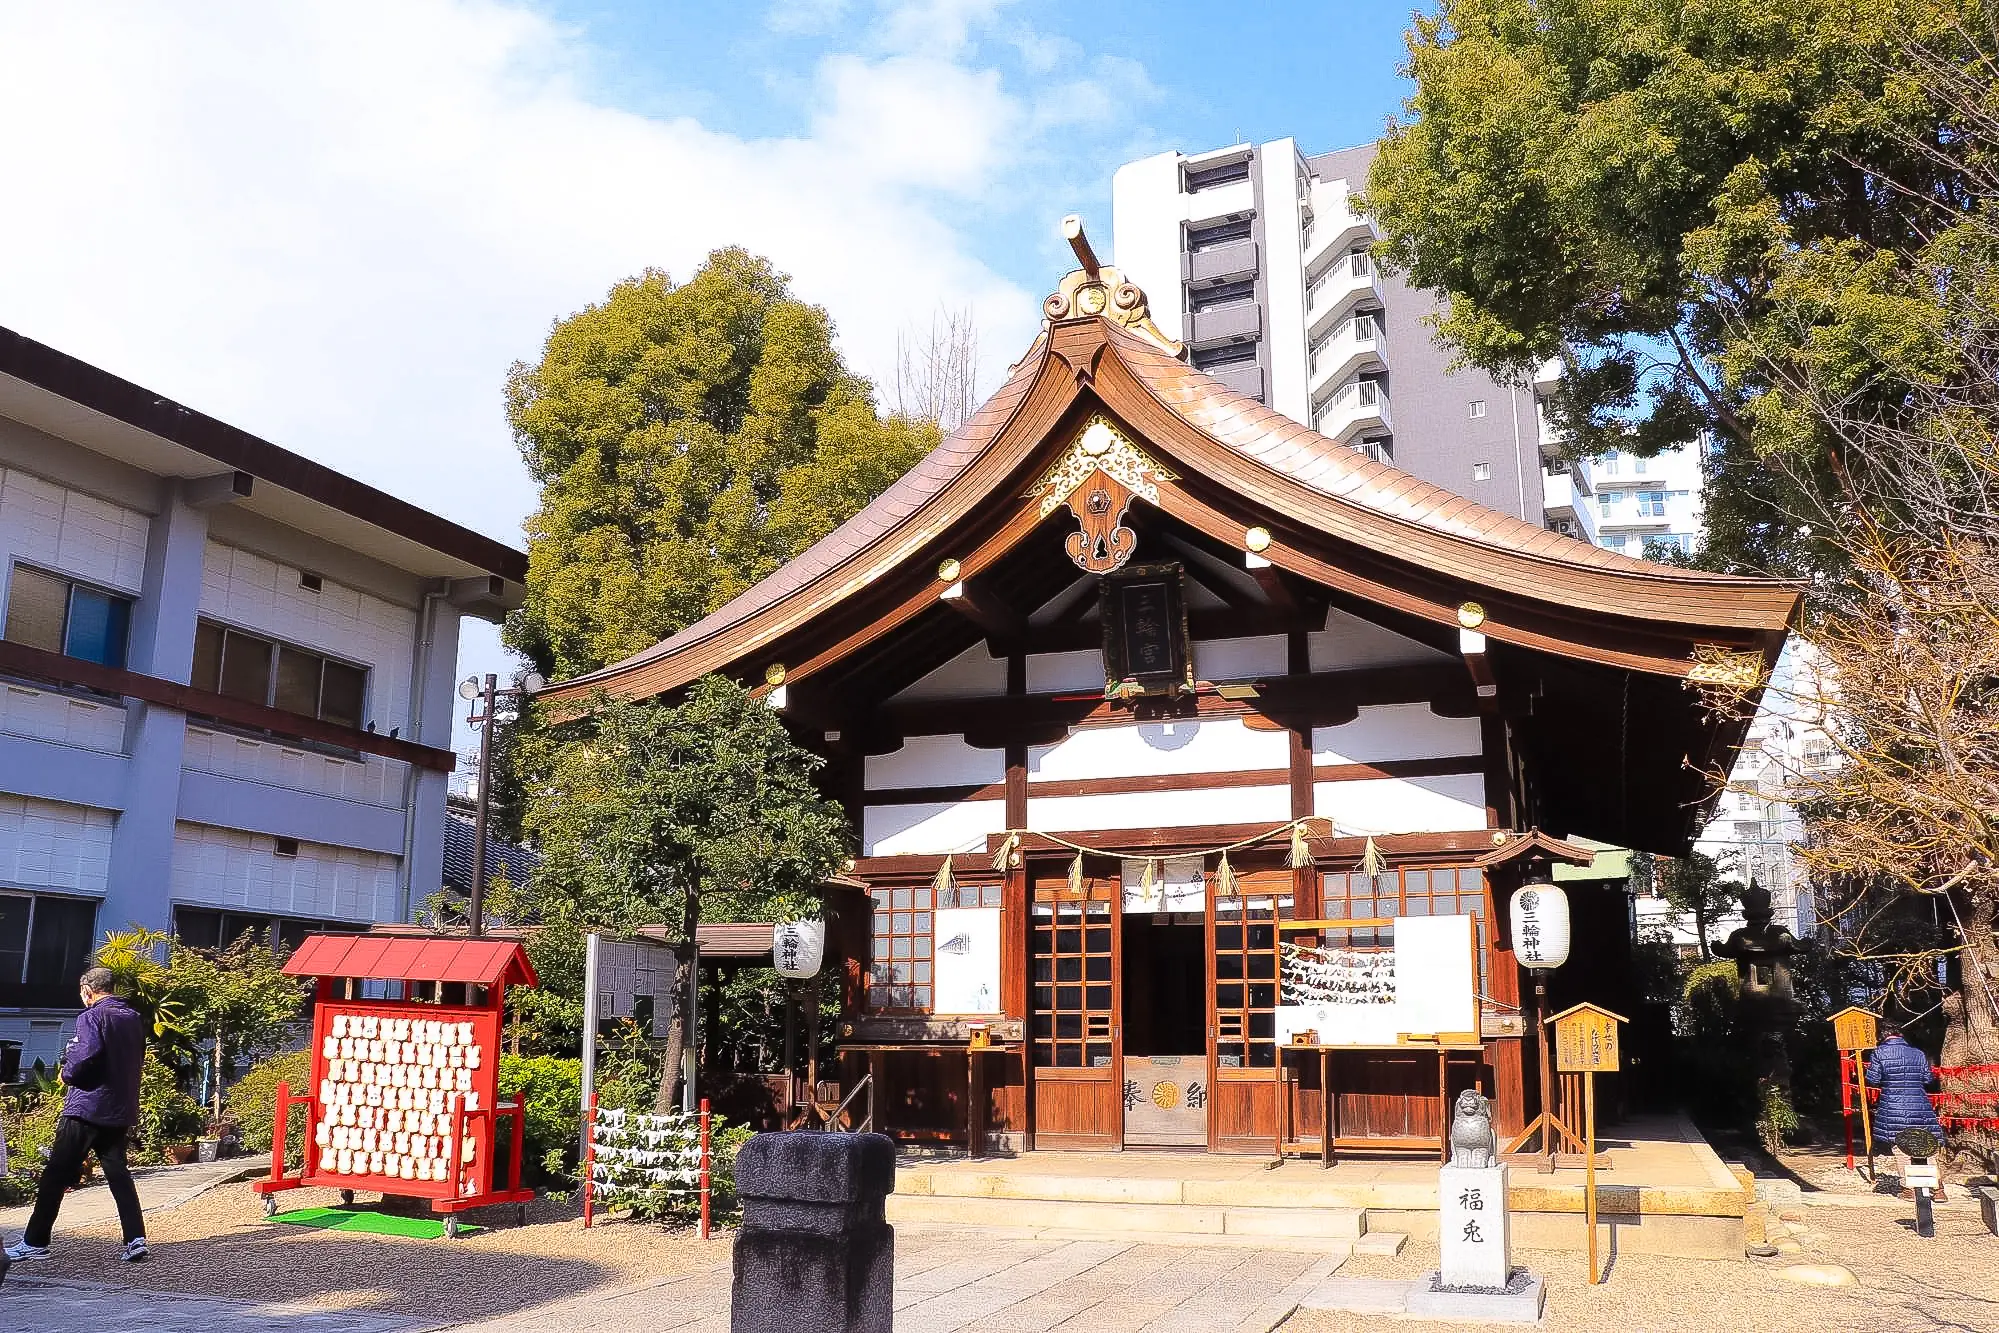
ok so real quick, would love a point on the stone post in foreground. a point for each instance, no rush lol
(815, 1254)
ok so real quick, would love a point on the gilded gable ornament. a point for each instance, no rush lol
(1097, 477)
(1097, 289)
(1712, 664)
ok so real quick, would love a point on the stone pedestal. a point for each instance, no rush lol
(1471, 1228)
(815, 1254)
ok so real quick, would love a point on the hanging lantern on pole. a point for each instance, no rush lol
(798, 947)
(1540, 918)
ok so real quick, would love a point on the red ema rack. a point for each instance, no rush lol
(405, 1092)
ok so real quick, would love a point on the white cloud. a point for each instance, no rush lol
(335, 224)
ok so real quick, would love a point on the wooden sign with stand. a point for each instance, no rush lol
(1586, 1044)
(1854, 1031)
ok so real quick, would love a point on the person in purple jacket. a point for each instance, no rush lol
(100, 1069)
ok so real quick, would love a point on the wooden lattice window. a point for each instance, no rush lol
(1246, 971)
(899, 975)
(1406, 891)
(1071, 978)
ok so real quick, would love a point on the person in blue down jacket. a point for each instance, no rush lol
(1904, 1076)
(100, 1069)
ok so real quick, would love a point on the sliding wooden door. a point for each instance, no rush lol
(1073, 1013)
(1244, 942)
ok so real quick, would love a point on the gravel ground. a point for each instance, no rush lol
(1905, 1283)
(220, 1245)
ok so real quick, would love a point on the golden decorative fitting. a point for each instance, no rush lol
(949, 570)
(1499, 838)
(1471, 615)
(774, 674)
(1257, 540)
(1097, 290)
(1100, 447)
(1714, 664)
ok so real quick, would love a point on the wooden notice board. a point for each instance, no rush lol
(1856, 1029)
(1586, 1040)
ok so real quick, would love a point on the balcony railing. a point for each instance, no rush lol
(1359, 408)
(1234, 259)
(1229, 323)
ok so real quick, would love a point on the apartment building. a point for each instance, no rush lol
(1254, 256)
(226, 682)
(1648, 507)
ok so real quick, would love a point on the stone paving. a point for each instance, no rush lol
(946, 1282)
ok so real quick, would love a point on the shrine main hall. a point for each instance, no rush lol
(1193, 758)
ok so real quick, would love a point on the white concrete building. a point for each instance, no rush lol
(1254, 256)
(226, 682)
(1646, 507)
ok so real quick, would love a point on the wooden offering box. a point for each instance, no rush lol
(404, 1098)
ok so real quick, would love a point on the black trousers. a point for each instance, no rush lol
(74, 1139)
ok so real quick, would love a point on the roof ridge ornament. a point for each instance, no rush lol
(1099, 290)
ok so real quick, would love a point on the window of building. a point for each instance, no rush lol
(899, 973)
(1069, 975)
(1671, 543)
(1221, 294)
(1605, 501)
(1611, 541)
(1481, 472)
(1196, 179)
(1405, 891)
(1218, 234)
(1610, 462)
(1476, 408)
(262, 671)
(1651, 504)
(45, 943)
(59, 615)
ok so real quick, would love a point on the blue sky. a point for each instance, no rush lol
(336, 223)
(1201, 76)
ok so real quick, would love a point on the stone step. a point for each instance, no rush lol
(1124, 1220)
(1265, 1190)
(1178, 1240)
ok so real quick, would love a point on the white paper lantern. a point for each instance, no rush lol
(1540, 915)
(798, 947)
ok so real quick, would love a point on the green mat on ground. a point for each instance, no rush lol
(374, 1224)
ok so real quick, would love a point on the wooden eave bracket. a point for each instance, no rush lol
(1472, 644)
(1535, 843)
(1002, 624)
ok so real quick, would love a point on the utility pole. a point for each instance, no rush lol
(484, 696)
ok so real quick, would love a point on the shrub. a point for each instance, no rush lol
(31, 1129)
(167, 1115)
(550, 1091)
(252, 1102)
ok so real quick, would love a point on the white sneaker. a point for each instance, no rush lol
(135, 1250)
(20, 1250)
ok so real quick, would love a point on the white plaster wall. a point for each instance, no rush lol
(53, 845)
(972, 674)
(1213, 745)
(70, 532)
(1396, 731)
(1062, 673)
(1241, 659)
(217, 867)
(1402, 805)
(1163, 809)
(1348, 642)
(934, 761)
(370, 779)
(49, 715)
(242, 588)
(930, 828)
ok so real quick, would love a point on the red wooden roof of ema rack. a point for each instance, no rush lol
(376, 958)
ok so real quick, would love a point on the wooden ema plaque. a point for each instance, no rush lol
(1856, 1029)
(1586, 1040)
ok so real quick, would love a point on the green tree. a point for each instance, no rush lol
(648, 813)
(688, 439)
(1697, 207)
(239, 1002)
(1693, 886)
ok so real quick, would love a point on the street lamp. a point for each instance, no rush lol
(484, 695)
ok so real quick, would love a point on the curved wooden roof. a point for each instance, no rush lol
(1339, 519)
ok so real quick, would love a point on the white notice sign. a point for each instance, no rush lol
(967, 960)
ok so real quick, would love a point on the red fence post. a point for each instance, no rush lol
(704, 1168)
(590, 1161)
(281, 1126)
(1846, 1104)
